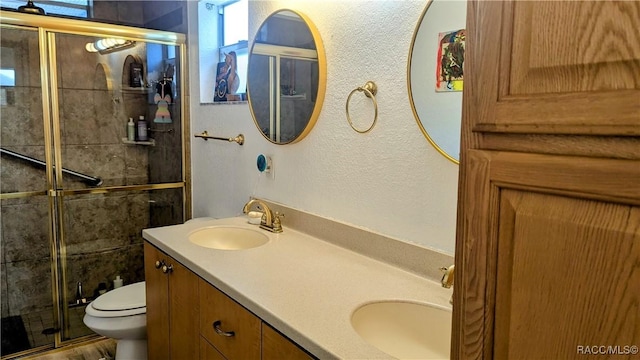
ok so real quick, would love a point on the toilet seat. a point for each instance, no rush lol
(128, 300)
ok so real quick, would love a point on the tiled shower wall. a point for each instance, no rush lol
(102, 231)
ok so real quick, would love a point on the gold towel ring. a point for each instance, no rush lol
(370, 89)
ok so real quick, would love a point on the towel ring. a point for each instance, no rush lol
(370, 89)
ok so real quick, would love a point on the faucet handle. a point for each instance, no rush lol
(277, 224)
(447, 278)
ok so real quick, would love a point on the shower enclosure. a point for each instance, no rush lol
(76, 192)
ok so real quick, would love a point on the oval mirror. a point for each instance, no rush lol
(434, 74)
(286, 78)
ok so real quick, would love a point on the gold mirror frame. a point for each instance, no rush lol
(410, 59)
(322, 77)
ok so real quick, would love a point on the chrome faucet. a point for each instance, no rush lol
(269, 221)
(447, 279)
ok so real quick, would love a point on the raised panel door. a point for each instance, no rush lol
(567, 275)
(548, 67)
(550, 256)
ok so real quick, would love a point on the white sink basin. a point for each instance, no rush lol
(228, 237)
(405, 330)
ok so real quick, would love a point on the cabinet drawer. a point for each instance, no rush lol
(208, 352)
(238, 331)
(277, 347)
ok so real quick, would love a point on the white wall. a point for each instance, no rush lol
(390, 180)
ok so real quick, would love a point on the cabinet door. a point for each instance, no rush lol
(554, 67)
(277, 347)
(157, 288)
(548, 235)
(238, 331)
(172, 308)
(556, 256)
(184, 312)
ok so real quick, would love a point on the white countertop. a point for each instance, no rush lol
(304, 287)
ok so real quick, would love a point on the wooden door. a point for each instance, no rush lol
(548, 237)
(184, 305)
(157, 288)
(172, 307)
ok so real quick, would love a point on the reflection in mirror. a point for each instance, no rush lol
(287, 77)
(435, 92)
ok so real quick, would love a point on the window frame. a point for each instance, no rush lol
(241, 47)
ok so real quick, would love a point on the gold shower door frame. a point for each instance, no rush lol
(47, 28)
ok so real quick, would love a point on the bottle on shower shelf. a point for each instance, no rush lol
(131, 130)
(79, 298)
(142, 129)
(117, 282)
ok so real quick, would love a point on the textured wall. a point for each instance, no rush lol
(390, 180)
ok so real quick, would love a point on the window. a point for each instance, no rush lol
(235, 23)
(233, 35)
(75, 8)
(223, 27)
(7, 77)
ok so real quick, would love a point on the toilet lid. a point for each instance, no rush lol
(123, 298)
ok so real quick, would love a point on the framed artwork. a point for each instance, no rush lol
(449, 75)
(221, 89)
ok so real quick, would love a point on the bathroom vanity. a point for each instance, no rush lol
(293, 296)
(186, 316)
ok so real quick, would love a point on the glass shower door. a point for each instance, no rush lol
(76, 192)
(126, 184)
(26, 210)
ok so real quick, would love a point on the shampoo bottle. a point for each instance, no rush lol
(142, 129)
(117, 282)
(131, 130)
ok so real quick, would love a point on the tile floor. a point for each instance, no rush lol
(36, 322)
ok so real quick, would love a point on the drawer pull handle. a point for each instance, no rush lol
(159, 264)
(216, 327)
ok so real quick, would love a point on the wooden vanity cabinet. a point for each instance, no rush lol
(172, 307)
(277, 347)
(182, 309)
(208, 352)
(241, 335)
(229, 327)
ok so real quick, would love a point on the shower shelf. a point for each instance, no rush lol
(150, 142)
(75, 305)
(135, 90)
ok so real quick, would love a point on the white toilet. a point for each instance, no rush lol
(121, 314)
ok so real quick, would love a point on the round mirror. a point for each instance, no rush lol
(434, 74)
(286, 79)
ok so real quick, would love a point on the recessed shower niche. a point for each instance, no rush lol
(75, 197)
